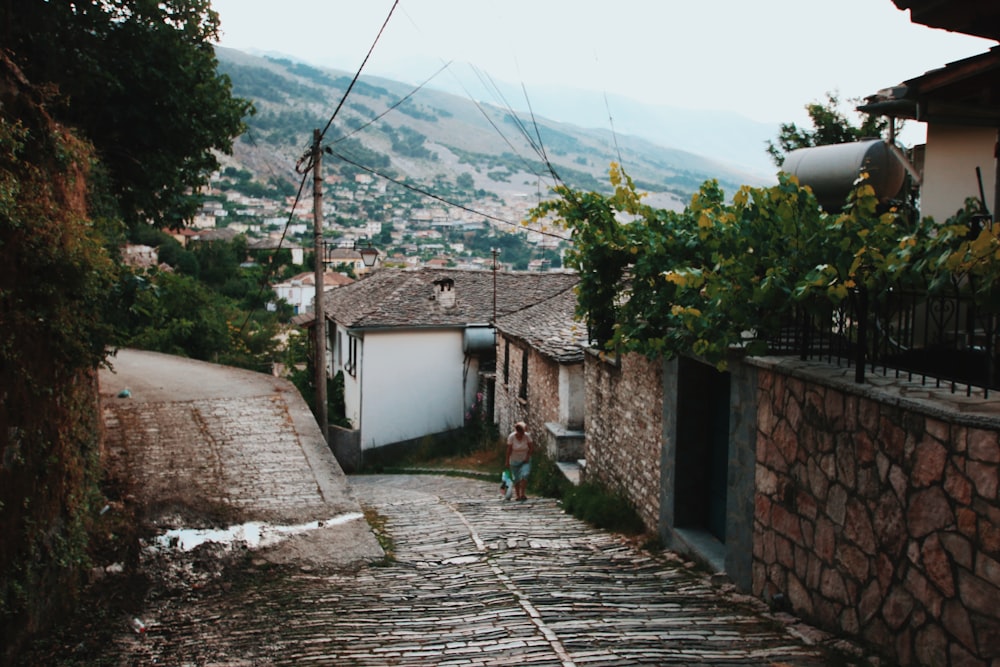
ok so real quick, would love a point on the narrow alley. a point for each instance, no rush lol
(383, 569)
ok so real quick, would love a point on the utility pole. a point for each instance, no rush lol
(495, 251)
(319, 358)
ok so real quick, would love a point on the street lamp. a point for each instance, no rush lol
(369, 253)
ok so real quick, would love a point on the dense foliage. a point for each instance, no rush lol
(720, 274)
(55, 277)
(208, 303)
(110, 113)
(139, 80)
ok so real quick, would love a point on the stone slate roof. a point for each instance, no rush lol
(410, 299)
(268, 243)
(549, 327)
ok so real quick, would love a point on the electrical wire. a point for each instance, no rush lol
(305, 163)
(439, 198)
(357, 74)
(498, 95)
(538, 133)
(614, 134)
(291, 214)
(393, 106)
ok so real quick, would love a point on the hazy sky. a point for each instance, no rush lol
(765, 59)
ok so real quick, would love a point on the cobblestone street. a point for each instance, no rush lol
(467, 579)
(473, 581)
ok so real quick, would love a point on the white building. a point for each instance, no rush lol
(411, 345)
(300, 291)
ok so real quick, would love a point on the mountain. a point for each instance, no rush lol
(422, 135)
(723, 136)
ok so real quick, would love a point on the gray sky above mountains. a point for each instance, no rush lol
(764, 60)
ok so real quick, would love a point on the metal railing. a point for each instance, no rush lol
(934, 339)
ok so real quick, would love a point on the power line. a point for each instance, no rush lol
(439, 198)
(393, 106)
(284, 232)
(305, 163)
(498, 95)
(357, 74)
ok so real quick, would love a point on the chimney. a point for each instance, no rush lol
(445, 292)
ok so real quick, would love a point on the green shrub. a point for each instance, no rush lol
(593, 503)
(590, 501)
(546, 478)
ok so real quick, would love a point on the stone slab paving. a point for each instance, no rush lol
(205, 445)
(472, 581)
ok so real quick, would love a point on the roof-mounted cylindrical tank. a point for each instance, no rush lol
(479, 339)
(831, 171)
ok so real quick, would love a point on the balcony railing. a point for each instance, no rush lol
(941, 339)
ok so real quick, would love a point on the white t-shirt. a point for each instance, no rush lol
(519, 447)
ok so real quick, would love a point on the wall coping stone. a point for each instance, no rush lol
(560, 431)
(938, 402)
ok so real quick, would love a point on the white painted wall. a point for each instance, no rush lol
(340, 342)
(572, 395)
(296, 294)
(950, 162)
(414, 385)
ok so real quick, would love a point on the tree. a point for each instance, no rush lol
(721, 275)
(830, 126)
(57, 283)
(138, 78)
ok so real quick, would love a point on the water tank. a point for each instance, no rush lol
(478, 340)
(832, 170)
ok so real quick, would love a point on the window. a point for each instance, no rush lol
(506, 362)
(523, 392)
(352, 356)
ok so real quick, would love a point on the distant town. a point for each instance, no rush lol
(408, 229)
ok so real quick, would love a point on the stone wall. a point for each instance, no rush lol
(879, 519)
(508, 409)
(624, 426)
(542, 403)
(543, 397)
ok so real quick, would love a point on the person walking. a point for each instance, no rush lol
(520, 447)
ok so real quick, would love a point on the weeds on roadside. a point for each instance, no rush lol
(377, 522)
(590, 501)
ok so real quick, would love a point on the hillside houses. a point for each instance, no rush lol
(300, 291)
(365, 207)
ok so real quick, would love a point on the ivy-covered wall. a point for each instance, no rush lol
(56, 280)
(49, 495)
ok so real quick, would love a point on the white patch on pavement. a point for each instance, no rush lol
(254, 534)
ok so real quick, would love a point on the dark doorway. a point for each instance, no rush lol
(702, 460)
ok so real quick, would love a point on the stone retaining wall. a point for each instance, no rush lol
(878, 521)
(624, 429)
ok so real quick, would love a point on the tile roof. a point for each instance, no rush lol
(407, 298)
(549, 327)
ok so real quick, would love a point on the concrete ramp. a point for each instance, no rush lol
(210, 446)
